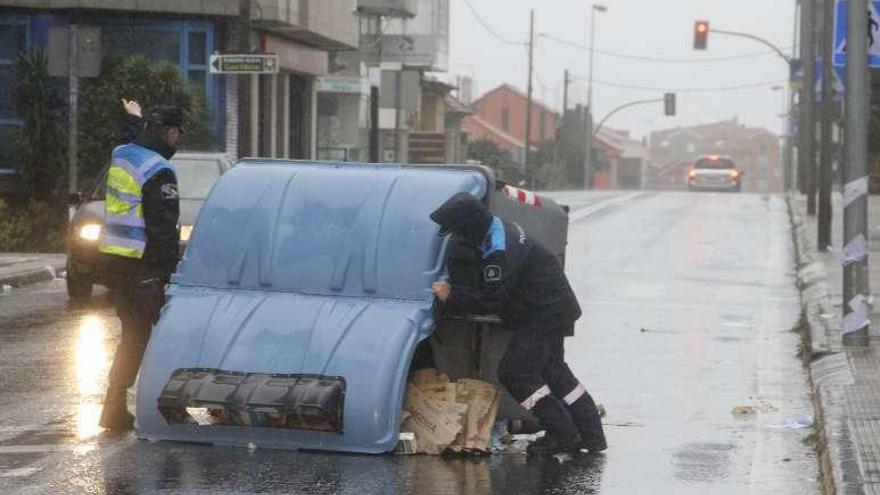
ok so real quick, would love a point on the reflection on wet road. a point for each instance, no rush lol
(688, 299)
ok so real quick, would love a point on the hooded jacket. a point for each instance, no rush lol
(519, 279)
(161, 209)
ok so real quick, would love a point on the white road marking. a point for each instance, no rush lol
(602, 205)
(37, 449)
(20, 472)
(27, 428)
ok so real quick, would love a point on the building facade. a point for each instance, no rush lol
(278, 114)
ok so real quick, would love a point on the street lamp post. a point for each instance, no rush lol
(588, 165)
(785, 115)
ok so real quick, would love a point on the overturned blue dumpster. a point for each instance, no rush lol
(294, 314)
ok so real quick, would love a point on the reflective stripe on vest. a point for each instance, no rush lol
(125, 232)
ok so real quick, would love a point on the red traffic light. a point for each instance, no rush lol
(701, 35)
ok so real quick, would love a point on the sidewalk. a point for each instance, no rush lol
(845, 380)
(17, 269)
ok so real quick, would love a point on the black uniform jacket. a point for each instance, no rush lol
(515, 277)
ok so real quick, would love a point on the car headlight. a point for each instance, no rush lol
(185, 232)
(90, 232)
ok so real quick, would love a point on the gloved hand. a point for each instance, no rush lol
(442, 290)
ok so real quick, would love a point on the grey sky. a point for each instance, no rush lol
(657, 28)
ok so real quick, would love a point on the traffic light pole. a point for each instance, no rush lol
(623, 107)
(856, 289)
(752, 37)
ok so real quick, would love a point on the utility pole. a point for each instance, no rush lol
(806, 106)
(73, 95)
(856, 289)
(588, 165)
(374, 97)
(245, 109)
(790, 181)
(565, 93)
(525, 169)
(825, 147)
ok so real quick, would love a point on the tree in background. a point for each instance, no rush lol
(489, 154)
(41, 141)
(132, 77)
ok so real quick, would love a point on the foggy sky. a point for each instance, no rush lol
(654, 28)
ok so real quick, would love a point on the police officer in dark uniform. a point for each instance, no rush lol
(523, 283)
(141, 243)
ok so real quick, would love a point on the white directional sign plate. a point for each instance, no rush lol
(257, 63)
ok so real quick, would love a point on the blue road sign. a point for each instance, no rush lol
(873, 33)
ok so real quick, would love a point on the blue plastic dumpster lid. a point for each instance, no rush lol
(309, 270)
(343, 229)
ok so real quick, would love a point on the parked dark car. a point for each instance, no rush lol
(196, 175)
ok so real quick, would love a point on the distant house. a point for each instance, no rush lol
(500, 116)
(626, 159)
(756, 151)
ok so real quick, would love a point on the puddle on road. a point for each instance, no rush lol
(703, 462)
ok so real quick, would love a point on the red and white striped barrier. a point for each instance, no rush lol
(523, 196)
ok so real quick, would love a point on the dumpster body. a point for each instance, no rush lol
(295, 311)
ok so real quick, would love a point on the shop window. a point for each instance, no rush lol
(8, 134)
(197, 48)
(13, 41)
(186, 45)
(157, 43)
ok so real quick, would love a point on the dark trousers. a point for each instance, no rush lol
(138, 300)
(534, 371)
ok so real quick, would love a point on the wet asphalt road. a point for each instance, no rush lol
(688, 302)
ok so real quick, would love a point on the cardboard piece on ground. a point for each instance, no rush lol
(434, 423)
(484, 435)
(480, 405)
(439, 391)
(457, 417)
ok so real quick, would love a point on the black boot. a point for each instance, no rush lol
(561, 434)
(552, 444)
(589, 423)
(115, 415)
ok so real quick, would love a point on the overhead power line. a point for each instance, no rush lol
(715, 89)
(488, 28)
(648, 58)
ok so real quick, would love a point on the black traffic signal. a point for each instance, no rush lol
(701, 35)
(669, 103)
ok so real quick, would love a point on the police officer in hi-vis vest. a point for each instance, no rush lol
(141, 239)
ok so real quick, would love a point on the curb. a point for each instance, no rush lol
(44, 274)
(826, 363)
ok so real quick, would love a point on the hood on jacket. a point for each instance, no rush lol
(149, 138)
(465, 216)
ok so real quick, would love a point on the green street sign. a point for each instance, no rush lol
(264, 63)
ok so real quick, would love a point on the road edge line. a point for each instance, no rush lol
(29, 277)
(588, 211)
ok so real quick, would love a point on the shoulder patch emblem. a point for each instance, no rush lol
(169, 191)
(492, 273)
